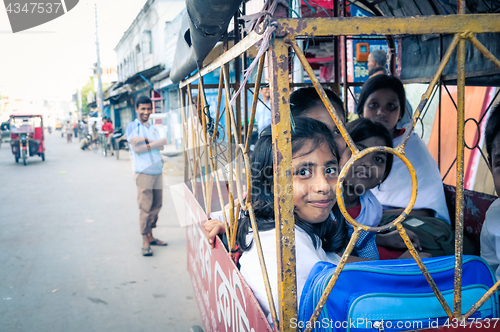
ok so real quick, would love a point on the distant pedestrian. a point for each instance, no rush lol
(69, 132)
(107, 128)
(146, 144)
(377, 61)
(83, 127)
(75, 129)
(95, 133)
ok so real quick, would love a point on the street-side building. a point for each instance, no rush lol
(140, 55)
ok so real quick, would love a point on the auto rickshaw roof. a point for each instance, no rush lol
(25, 115)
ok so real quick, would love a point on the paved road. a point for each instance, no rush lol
(70, 248)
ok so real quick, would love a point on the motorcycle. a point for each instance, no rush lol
(49, 129)
(120, 142)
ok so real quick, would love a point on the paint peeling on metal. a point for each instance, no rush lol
(472, 208)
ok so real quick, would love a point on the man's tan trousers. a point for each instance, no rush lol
(149, 198)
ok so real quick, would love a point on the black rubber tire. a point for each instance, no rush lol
(17, 159)
(24, 157)
(43, 156)
(195, 328)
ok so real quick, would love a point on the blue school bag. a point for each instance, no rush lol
(393, 295)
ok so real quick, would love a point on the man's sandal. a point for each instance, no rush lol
(147, 251)
(157, 242)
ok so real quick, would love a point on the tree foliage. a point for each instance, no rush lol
(84, 93)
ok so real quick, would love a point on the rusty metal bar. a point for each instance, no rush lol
(226, 57)
(333, 280)
(398, 221)
(283, 191)
(482, 300)
(229, 108)
(263, 267)
(225, 72)
(237, 74)
(219, 99)
(483, 49)
(323, 96)
(200, 117)
(427, 94)
(246, 161)
(459, 212)
(254, 103)
(194, 180)
(344, 172)
(436, 24)
(208, 177)
(424, 270)
(219, 190)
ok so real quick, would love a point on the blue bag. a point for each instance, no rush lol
(393, 295)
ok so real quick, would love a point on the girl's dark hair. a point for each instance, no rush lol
(361, 129)
(379, 82)
(492, 129)
(333, 233)
(304, 99)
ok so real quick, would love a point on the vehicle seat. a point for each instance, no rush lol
(476, 205)
(38, 133)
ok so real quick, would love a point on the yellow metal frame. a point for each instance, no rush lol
(464, 27)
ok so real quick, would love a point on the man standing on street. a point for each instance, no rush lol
(146, 145)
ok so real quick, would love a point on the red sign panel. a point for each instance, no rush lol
(225, 301)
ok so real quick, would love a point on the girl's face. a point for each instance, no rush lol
(382, 106)
(368, 172)
(314, 182)
(495, 162)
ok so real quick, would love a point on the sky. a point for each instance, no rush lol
(49, 60)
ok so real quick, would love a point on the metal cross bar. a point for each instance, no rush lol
(446, 24)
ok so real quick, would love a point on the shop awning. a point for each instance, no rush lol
(118, 91)
(148, 73)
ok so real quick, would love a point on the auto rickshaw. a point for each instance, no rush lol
(27, 139)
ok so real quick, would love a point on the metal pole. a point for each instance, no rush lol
(283, 193)
(99, 95)
(237, 75)
(80, 109)
(459, 218)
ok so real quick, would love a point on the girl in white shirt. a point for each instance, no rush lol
(382, 100)
(318, 237)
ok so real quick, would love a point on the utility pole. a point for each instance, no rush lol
(79, 98)
(99, 95)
